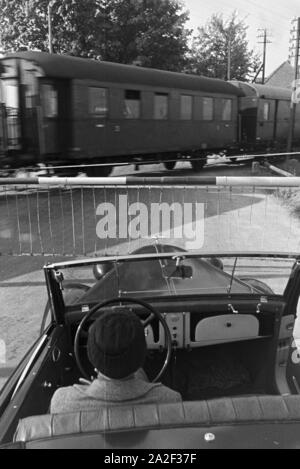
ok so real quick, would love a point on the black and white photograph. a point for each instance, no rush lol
(149, 227)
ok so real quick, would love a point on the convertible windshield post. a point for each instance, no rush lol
(232, 276)
(57, 304)
(292, 289)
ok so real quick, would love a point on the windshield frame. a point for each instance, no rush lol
(54, 285)
(170, 255)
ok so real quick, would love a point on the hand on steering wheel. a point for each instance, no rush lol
(153, 314)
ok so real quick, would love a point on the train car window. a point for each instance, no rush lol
(160, 106)
(207, 109)
(186, 107)
(49, 100)
(226, 110)
(132, 104)
(98, 101)
(266, 111)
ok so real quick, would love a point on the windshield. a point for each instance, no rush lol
(178, 275)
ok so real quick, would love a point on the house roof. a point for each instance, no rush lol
(282, 76)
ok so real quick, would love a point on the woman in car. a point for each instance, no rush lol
(117, 349)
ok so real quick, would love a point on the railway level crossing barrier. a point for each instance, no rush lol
(102, 216)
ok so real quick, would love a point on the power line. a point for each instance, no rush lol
(276, 16)
(275, 12)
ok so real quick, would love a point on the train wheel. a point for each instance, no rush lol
(98, 171)
(169, 165)
(197, 165)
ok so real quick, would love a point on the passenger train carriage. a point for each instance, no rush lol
(62, 110)
(265, 115)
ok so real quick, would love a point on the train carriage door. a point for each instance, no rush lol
(3, 139)
(11, 114)
(49, 116)
(248, 119)
(28, 110)
(54, 116)
(19, 98)
(248, 125)
(97, 111)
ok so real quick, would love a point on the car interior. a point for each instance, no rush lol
(237, 368)
(227, 357)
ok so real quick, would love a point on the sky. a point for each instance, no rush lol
(275, 15)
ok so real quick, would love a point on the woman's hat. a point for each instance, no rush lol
(116, 344)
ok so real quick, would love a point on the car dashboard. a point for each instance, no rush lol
(220, 347)
(195, 323)
(188, 332)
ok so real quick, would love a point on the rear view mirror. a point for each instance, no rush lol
(178, 271)
(99, 270)
(216, 262)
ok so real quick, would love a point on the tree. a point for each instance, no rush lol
(75, 25)
(150, 33)
(220, 50)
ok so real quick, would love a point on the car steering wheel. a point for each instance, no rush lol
(153, 314)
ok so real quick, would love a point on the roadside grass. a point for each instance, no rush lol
(291, 199)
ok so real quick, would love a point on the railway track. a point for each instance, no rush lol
(215, 161)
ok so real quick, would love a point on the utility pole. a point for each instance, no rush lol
(265, 41)
(50, 5)
(294, 53)
(229, 59)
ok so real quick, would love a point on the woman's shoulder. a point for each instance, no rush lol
(165, 394)
(65, 397)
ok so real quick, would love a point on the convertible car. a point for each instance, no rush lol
(219, 330)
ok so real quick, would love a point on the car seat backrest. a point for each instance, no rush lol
(236, 410)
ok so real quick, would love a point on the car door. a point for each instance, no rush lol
(288, 346)
(9, 411)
